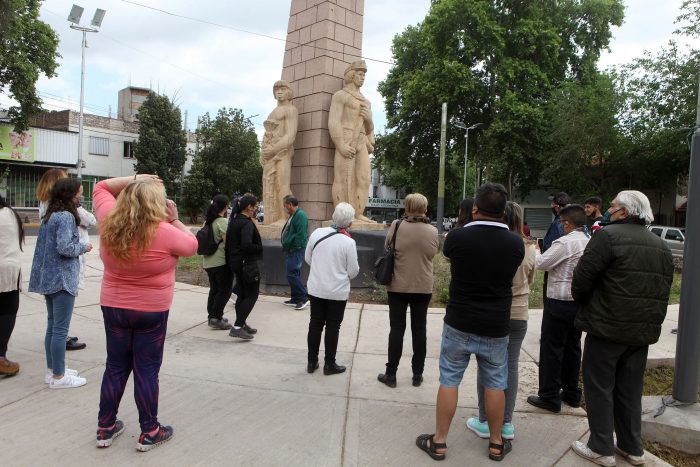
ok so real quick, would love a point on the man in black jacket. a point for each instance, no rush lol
(622, 281)
(484, 256)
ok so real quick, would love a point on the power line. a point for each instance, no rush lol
(253, 33)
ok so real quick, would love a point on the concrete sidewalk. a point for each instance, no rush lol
(252, 403)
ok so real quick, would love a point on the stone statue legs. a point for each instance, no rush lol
(362, 181)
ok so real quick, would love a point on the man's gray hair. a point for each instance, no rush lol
(343, 215)
(637, 205)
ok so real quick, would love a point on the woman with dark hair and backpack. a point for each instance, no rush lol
(244, 249)
(55, 271)
(11, 239)
(220, 275)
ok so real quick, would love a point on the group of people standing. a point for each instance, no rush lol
(614, 285)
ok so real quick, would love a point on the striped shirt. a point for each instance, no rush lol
(559, 261)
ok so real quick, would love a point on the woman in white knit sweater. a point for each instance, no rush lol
(332, 255)
(11, 239)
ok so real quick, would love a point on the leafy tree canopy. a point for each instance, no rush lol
(161, 148)
(27, 49)
(227, 161)
(495, 62)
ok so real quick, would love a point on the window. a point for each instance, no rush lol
(672, 234)
(99, 146)
(128, 150)
(375, 192)
(656, 231)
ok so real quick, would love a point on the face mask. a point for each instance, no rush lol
(606, 217)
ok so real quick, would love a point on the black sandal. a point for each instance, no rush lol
(505, 448)
(428, 444)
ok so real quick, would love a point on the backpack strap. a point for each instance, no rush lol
(393, 237)
(325, 237)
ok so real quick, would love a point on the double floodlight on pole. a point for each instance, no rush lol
(74, 17)
(476, 126)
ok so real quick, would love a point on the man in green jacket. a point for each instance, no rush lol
(622, 281)
(294, 238)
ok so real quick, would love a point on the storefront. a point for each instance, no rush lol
(384, 209)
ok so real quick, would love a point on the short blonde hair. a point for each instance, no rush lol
(129, 229)
(415, 204)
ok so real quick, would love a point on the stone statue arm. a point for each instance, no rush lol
(369, 126)
(335, 125)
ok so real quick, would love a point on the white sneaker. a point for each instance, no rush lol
(49, 374)
(68, 381)
(634, 460)
(584, 451)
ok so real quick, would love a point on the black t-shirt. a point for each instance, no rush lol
(483, 259)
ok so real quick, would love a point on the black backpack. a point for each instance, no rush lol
(205, 241)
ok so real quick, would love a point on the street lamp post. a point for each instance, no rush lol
(476, 126)
(74, 17)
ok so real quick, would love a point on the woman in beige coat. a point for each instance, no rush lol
(411, 285)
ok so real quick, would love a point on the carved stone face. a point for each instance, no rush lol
(359, 78)
(281, 93)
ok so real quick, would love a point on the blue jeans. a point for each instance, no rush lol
(60, 310)
(295, 259)
(491, 357)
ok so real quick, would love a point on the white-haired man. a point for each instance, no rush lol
(622, 281)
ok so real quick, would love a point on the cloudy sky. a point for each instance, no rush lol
(213, 63)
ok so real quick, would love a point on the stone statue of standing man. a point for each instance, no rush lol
(352, 131)
(277, 152)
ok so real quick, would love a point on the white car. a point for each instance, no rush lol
(673, 236)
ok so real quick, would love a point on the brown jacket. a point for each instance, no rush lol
(416, 245)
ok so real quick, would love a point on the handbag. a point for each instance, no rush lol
(384, 265)
(250, 272)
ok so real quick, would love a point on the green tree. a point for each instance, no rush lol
(660, 91)
(493, 62)
(227, 161)
(27, 49)
(584, 150)
(161, 148)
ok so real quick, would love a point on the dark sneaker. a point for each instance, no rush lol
(249, 329)
(240, 333)
(389, 380)
(105, 436)
(311, 367)
(219, 324)
(147, 442)
(290, 302)
(333, 369)
(75, 345)
(301, 305)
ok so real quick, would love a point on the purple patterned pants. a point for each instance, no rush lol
(135, 341)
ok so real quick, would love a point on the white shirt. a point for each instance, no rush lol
(560, 260)
(332, 264)
(10, 259)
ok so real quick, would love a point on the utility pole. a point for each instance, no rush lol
(441, 178)
(687, 374)
(182, 176)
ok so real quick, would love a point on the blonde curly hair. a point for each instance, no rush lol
(129, 229)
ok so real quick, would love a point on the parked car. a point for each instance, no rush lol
(673, 236)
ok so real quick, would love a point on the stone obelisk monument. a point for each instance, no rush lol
(323, 39)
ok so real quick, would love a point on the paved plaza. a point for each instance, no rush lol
(252, 403)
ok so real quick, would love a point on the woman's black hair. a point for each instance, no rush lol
(62, 195)
(245, 201)
(218, 204)
(3, 204)
(465, 212)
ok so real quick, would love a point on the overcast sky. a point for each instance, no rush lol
(205, 67)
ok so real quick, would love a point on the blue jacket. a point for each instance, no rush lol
(56, 266)
(554, 231)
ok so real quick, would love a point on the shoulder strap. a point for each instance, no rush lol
(322, 239)
(393, 238)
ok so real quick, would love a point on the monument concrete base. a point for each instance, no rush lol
(676, 427)
(273, 273)
(361, 226)
(270, 231)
